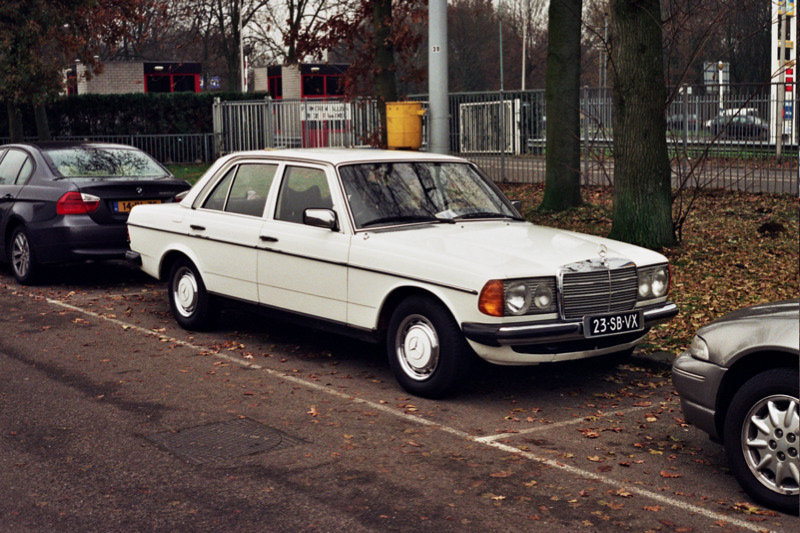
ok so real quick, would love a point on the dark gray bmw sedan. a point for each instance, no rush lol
(738, 382)
(62, 202)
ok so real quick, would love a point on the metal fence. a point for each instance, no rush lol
(728, 142)
(310, 123)
(168, 149)
(714, 142)
(717, 139)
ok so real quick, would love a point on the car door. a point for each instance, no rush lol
(226, 225)
(16, 167)
(303, 268)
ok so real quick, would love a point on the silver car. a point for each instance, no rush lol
(738, 382)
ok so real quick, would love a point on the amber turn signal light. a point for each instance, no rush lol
(492, 298)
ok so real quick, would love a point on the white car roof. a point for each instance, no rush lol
(337, 156)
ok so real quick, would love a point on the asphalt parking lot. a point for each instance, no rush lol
(112, 418)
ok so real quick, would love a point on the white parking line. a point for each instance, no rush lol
(555, 425)
(489, 441)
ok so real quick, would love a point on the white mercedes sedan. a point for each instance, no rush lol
(418, 251)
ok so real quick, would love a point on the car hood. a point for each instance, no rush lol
(788, 310)
(762, 327)
(490, 249)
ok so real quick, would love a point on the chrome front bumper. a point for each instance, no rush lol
(530, 334)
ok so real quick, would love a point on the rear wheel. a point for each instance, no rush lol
(762, 438)
(21, 257)
(189, 301)
(427, 350)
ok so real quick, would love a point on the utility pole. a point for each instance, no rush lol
(438, 109)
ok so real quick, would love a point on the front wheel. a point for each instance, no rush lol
(21, 257)
(427, 350)
(762, 438)
(189, 301)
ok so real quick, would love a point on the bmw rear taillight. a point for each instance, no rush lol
(77, 203)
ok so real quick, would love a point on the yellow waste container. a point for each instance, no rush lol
(404, 125)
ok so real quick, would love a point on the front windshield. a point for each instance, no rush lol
(103, 162)
(382, 194)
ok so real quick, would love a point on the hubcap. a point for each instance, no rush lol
(770, 443)
(185, 292)
(417, 347)
(21, 255)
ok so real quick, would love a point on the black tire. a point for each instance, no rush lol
(761, 465)
(441, 357)
(190, 303)
(21, 257)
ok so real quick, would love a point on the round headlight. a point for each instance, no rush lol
(518, 298)
(660, 282)
(644, 286)
(543, 296)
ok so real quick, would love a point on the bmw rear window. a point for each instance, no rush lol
(103, 162)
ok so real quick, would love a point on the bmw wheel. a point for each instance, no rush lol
(427, 351)
(21, 257)
(189, 301)
(762, 438)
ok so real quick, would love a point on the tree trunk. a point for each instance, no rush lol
(562, 98)
(385, 82)
(642, 189)
(14, 122)
(42, 127)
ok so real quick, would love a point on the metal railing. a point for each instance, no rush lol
(714, 142)
(168, 149)
(309, 123)
(735, 147)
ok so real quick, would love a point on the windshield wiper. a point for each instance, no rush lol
(410, 219)
(485, 214)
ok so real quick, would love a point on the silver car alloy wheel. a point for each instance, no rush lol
(417, 347)
(185, 293)
(21, 254)
(769, 441)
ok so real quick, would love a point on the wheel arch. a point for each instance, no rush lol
(743, 370)
(169, 259)
(398, 295)
(14, 221)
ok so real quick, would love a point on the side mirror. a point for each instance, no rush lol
(321, 218)
(516, 204)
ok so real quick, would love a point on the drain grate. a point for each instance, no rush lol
(222, 440)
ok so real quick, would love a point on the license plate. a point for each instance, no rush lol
(125, 206)
(612, 324)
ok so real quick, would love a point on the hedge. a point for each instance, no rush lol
(126, 114)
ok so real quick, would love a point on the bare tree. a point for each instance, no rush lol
(289, 30)
(223, 20)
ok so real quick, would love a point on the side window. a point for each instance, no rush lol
(302, 188)
(243, 189)
(11, 165)
(25, 172)
(250, 188)
(216, 200)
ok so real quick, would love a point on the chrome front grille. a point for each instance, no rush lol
(598, 290)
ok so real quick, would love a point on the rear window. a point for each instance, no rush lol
(103, 162)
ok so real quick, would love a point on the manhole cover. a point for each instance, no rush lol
(222, 440)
